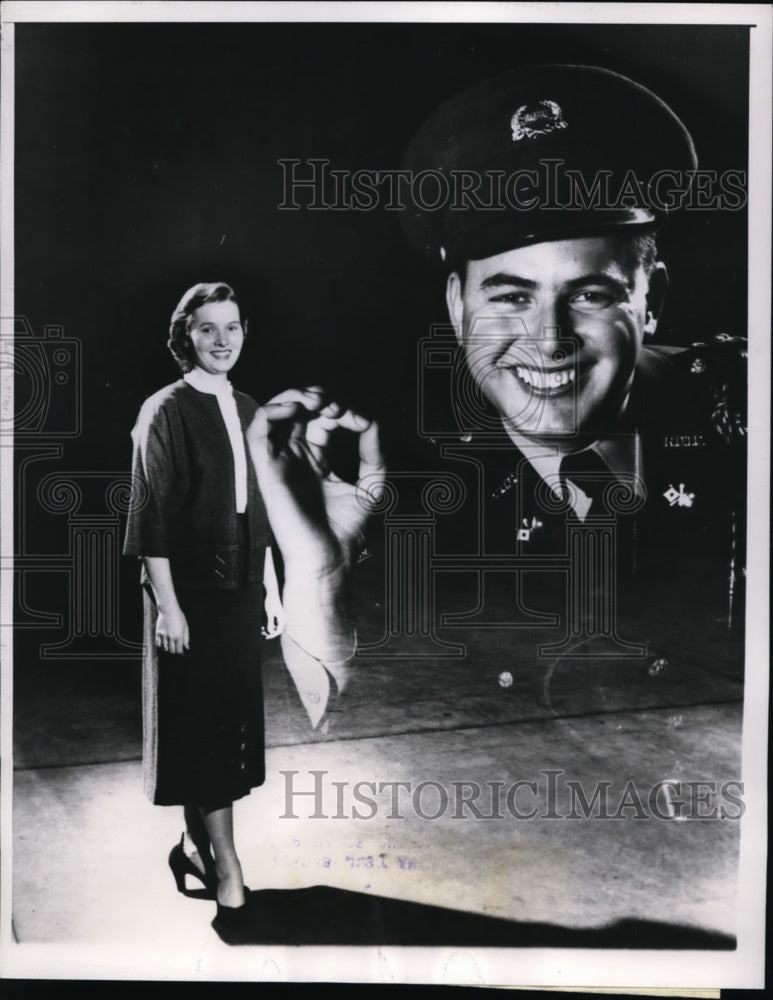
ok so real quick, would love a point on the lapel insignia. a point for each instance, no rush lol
(678, 497)
(524, 533)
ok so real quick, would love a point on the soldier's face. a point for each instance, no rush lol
(551, 332)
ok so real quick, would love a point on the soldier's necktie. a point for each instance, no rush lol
(588, 471)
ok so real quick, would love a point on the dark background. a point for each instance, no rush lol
(146, 160)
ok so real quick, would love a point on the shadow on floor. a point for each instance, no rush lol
(322, 915)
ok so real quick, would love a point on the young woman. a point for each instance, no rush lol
(200, 527)
(199, 524)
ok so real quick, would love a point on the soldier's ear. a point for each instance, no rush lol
(656, 296)
(454, 302)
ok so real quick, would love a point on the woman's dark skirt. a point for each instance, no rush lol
(203, 726)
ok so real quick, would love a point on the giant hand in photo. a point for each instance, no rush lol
(318, 521)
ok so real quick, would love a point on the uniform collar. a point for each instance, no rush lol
(620, 452)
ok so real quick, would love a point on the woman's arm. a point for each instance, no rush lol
(171, 627)
(159, 478)
(275, 616)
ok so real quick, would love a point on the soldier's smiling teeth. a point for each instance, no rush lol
(544, 380)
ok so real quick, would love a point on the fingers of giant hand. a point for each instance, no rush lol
(258, 428)
(261, 432)
(372, 471)
(287, 415)
(295, 402)
(320, 428)
(334, 417)
(351, 421)
(371, 457)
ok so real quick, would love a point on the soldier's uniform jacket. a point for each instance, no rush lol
(679, 546)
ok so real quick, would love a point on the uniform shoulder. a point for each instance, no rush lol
(720, 366)
(708, 377)
(716, 358)
(719, 352)
(660, 359)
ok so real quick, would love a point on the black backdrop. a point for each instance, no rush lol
(146, 160)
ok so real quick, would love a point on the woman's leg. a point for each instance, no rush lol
(197, 844)
(219, 827)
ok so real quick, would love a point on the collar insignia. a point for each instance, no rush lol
(678, 497)
(524, 534)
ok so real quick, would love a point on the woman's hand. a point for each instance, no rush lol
(316, 517)
(171, 625)
(172, 633)
(275, 612)
(275, 615)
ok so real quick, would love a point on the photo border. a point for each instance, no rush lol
(533, 967)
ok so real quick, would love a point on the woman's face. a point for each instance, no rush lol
(217, 336)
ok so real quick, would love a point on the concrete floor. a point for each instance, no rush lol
(91, 884)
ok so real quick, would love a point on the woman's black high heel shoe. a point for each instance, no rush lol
(182, 865)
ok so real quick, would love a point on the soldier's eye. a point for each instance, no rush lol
(513, 298)
(592, 299)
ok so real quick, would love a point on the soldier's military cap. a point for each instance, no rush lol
(541, 153)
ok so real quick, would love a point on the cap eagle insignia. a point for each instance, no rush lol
(536, 119)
